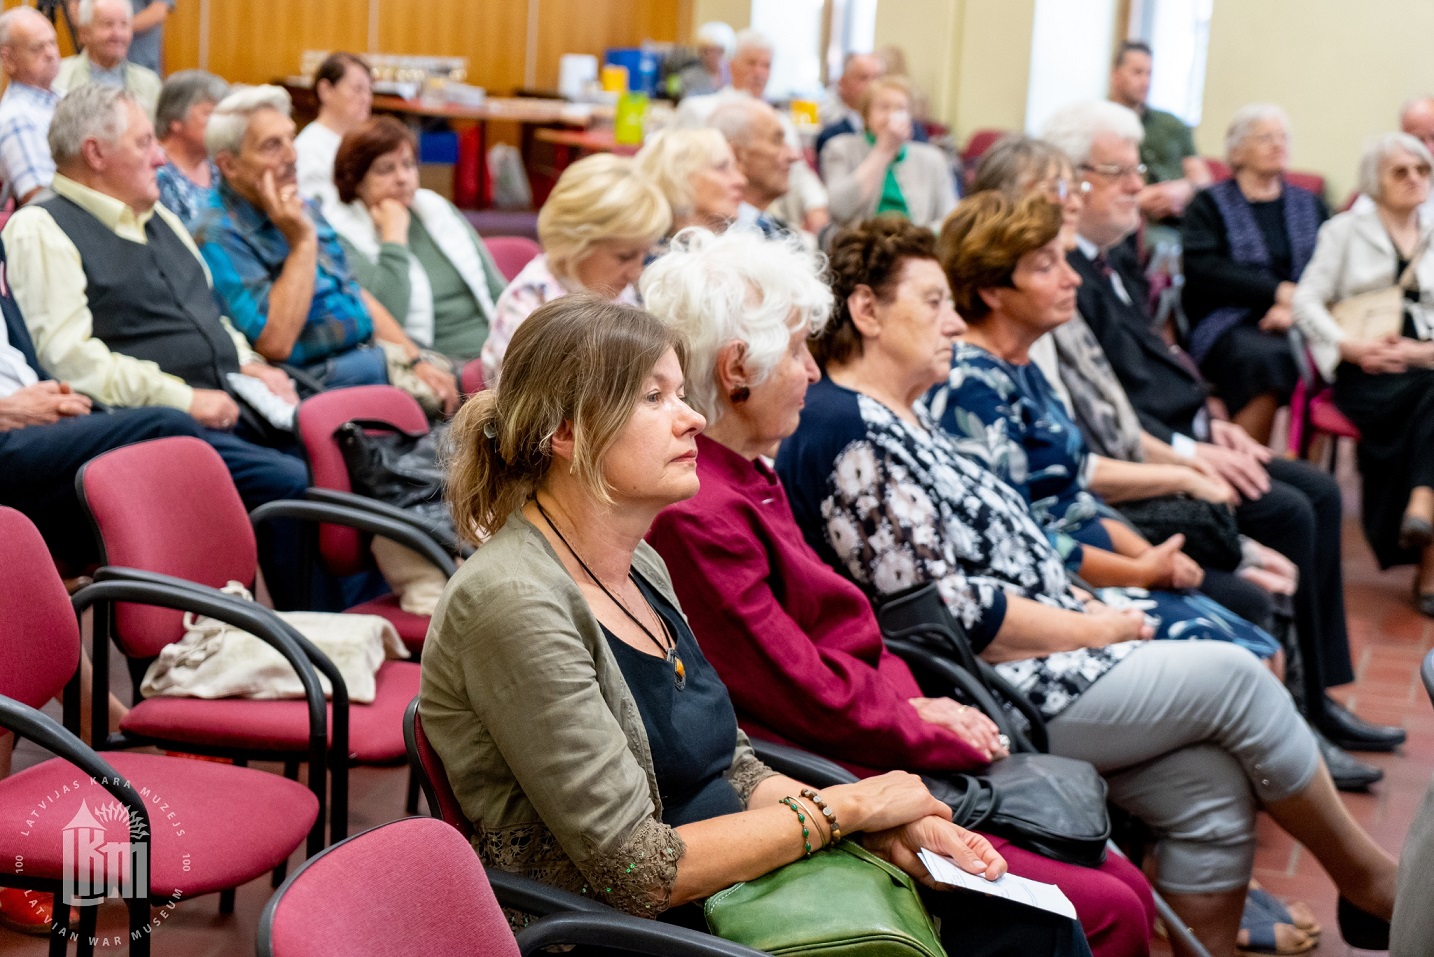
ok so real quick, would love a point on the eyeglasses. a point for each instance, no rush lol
(1060, 189)
(1114, 171)
(1405, 172)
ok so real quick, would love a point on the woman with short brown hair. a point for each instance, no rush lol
(409, 246)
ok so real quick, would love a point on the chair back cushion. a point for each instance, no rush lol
(511, 253)
(344, 551)
(423, 894)
(167, 506)
(428, 766)
(39, 637)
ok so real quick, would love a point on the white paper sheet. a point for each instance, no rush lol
(1019, 889)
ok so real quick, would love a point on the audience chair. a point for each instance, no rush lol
(511, 253)
(916, 622)
(977, 145)
(237, 823)
(1312, 409)
(323, 908)
(343, 549)
(470, 380)
(166, 511)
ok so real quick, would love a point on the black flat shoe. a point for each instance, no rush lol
(1348, 773)
(1353, 733)
(1361, 929)
(1415, 533)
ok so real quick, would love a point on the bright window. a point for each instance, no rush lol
(1070, 56)
(1178, 32)
(795, 29)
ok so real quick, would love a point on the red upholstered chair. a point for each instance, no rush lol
(1314, 182)
(471, 378)
(1314, 414)
(511, 253)
(345, 550)
(215, 827)
(979, 142)
(414, 888)
(1219, 169)
(168, 509)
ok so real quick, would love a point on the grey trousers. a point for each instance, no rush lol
(1412, 933)
(1192, 736)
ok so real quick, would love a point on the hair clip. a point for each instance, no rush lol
(490, 430)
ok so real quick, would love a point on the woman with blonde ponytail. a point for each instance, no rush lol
(587, 739)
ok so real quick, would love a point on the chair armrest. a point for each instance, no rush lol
(801, 765)
(623, 933)
(534, 897)
(61, 742)
(362, 519)
(364, 503)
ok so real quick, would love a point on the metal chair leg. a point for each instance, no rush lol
(411, 804)
(89, 918)
(226, 901)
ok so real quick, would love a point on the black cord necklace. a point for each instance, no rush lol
(669, 647)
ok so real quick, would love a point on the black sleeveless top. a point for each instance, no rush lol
(692, 732)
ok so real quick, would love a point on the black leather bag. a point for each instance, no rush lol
(400, 469)
(1052, 805)
(1211, 536)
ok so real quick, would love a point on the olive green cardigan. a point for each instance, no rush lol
(541, 738)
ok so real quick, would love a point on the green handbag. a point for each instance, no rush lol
(841, 902)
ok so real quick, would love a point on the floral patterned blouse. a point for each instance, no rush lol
(893, 505)
(1009, 417)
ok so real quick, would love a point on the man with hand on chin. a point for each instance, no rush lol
(278, 267)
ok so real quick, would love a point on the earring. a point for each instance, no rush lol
(739, 395)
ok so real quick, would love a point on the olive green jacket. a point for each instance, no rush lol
(540, 735)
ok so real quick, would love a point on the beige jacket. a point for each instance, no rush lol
(541, 738)
(141, 82)
(924, 177)
(1354, 255)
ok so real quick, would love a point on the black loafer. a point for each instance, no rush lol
(1360, 928)
(1415, 534)
(1353, 733)
(1348, 773)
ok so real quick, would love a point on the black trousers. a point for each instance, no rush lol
(1300, 517)
(38, 464)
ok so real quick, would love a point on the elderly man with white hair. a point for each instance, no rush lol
(118, 301)
(805, 203)
(30, 55)
(108, 29)
(1247, 241)
(1288, 506)
(278, 266)
(714, 42)
(764, 157)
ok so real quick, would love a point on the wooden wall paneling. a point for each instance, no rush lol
(181, 36)
(256, 41)
(591, 26)
(492, 35)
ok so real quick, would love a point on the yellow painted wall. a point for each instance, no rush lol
(971, 57)
(735, 13)
(1340, 69)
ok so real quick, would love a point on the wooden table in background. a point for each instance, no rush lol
(569, 145)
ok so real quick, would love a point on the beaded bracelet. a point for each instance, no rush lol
(825, 836)
(832, 825)
(791, 802)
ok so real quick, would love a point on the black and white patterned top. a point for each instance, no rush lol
(894, 505)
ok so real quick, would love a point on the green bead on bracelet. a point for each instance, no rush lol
(791, 802)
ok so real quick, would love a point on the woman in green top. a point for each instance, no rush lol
(586, 737)
(410, 247)
(880, 170)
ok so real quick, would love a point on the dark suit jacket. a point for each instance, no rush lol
(1166, 393)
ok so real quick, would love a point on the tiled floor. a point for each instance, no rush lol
(1389, 639)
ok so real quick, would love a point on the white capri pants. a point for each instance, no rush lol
(1192, 737)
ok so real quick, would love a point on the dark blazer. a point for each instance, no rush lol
(1166, 393)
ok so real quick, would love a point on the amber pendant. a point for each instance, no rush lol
(679, 670)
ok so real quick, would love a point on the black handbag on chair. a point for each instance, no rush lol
(1052, 805)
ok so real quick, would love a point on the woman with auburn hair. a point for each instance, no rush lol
(597, 228)
(1192, 736)
(410, 247)
(584, 733)
(797, 644)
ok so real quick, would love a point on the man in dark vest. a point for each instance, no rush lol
(118, 303)
(117, 299)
